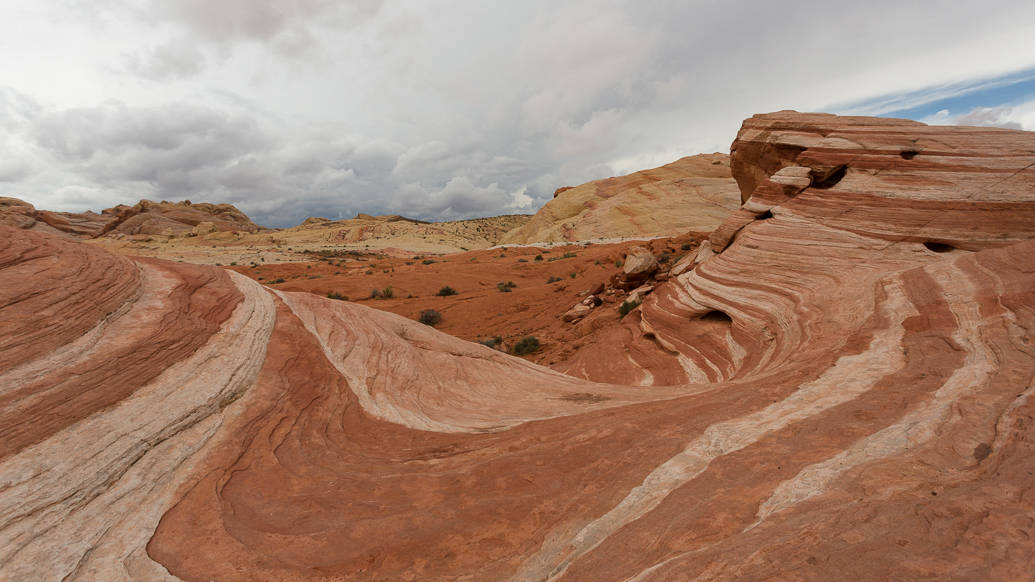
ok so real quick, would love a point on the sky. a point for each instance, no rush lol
(444, 109)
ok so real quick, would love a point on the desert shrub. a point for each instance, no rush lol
(429, 317)
(568, 255)
(526, 345)
(428, 261)
(618, 263)
(505, 287)
(278, 280)
(233, 264)
(552, 280)
(338, 296)
(491, 342)
(522, 260)
(626, 307)
(387, 292)
(685, 247)
(663, 258)
(446, 291)
(539, 257)
(572, 274)
(375, 293)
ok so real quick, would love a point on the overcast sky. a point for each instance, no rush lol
(448, 109)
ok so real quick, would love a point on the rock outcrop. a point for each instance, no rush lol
(144, 218)
(691, 194)
(839, 388)
(21, 214)
(176, 219)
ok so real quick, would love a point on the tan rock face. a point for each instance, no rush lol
(843, 390)
(691, 194)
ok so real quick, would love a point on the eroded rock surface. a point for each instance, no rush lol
(840, 387)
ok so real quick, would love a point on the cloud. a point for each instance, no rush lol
(291, 108)
(171, 60)
(990, 116)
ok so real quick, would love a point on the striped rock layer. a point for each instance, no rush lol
(838, 388)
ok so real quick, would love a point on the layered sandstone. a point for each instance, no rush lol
(21, 214)
(694, 193)
(177, 219)
(838, 387)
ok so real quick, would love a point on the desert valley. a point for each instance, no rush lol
(809, 359)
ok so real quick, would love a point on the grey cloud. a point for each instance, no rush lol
(454, 109)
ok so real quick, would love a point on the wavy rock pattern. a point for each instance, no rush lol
(839, 387)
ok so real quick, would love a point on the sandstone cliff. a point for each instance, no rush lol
(840, 387)
(691, 194)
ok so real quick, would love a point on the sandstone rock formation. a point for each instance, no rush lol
(694, 193)
(176, 218)
(144, 218)
(21, 214)
(208, 242)
(398, 231)
(840, 388)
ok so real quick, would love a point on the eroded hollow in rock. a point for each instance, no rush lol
(908, 154)
(765, 215)
(831, 180)
(718, 316)
(938, 247)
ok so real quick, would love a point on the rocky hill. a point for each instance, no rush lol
(21, 214)
(388, 234)
(691, 194)
(145, 218)
(397, 231)
(836, 384)
(176, 219)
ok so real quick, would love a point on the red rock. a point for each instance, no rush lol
(842, 391)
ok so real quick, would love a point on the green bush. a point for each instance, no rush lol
(505, 287)
(446, 291)
(526, 345)
(685, 247)
(491, 342)
(552, 280)
(338, 296)
(429, 317)
(626, 307)
(387, 292)
(539, 257)
(428, 261)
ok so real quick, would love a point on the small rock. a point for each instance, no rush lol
(637, 295)
(639, 263)
(576, 313)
